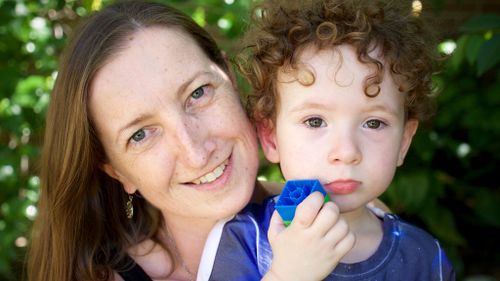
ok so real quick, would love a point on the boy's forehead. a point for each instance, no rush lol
(318, 72)
(340, 63)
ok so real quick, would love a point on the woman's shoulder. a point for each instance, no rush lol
(115, 277)
(152, 258)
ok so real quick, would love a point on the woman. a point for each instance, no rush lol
(114, 176)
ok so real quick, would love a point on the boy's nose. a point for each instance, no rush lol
(344, 149)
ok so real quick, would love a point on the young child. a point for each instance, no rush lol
(339, 88)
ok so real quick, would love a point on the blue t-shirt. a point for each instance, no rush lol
(405, 253)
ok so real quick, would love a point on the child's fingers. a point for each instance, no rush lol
(307, 210)
(326, 218)
(344, 246)
(338, 232)
(276, 225)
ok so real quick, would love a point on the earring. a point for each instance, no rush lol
(129, 209)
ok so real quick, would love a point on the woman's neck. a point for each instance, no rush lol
(368, 231)
(186, 238)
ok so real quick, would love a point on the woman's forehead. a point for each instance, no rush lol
(152, 57)
(155, 63)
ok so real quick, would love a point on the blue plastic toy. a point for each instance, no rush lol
(294, 192)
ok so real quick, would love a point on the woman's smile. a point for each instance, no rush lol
(213, 175)
(216, 179)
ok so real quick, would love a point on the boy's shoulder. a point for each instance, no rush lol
(410, 236)
(406, 250)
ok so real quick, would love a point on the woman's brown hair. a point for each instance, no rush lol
(280, 30)
(82, 232)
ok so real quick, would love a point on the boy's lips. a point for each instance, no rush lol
(342, 186)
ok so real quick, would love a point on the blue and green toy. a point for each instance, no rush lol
(294, 192)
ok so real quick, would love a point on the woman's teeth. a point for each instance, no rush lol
(213, 175)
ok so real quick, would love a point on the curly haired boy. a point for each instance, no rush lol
(339, 88)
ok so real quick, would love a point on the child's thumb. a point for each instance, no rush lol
(276, 226)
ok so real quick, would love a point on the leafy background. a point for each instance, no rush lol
(448, 184)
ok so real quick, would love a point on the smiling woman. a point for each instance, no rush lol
(162, 150)
(138, 120)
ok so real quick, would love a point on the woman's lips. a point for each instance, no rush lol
(220, 181)
(213, 175)
(342, 186)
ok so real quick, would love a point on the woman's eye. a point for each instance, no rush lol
(200, 97)
(374, 124)
(315, 122)
(138, 136)
(142, 136)
(198, 93)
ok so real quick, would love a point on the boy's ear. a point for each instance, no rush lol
(267, 138)
(110, 171)
(409, 131)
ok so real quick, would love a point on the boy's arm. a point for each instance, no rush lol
(312, 245)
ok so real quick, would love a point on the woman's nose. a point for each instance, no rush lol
(195, 144)
(344, 149)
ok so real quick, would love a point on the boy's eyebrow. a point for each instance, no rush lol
(381, 107)
(317, 105)
(309, 104)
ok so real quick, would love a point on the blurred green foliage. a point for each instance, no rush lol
(448, 184)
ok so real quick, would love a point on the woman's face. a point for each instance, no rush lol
(172, 127)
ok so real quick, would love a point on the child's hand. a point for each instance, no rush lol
(312, 245)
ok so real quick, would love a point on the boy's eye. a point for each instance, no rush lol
(315, 122)
(374, 124)
(138, 136)
(198, 93)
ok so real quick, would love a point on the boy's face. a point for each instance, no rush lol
(333, 132)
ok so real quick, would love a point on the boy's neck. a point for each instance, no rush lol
(368, 231)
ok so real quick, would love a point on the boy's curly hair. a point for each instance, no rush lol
(281, 29)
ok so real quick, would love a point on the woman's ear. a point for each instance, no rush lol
(112, 172)
(410, 129)
(267, 138)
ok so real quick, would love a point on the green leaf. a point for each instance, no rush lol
(410, 190)
(482, 23)
(486, 206)
(441, 222)
(472, 47)
(26, 90)
(458, 55)
(489, 55)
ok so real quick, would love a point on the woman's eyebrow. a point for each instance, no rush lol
(181, 89)
(132, 123)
